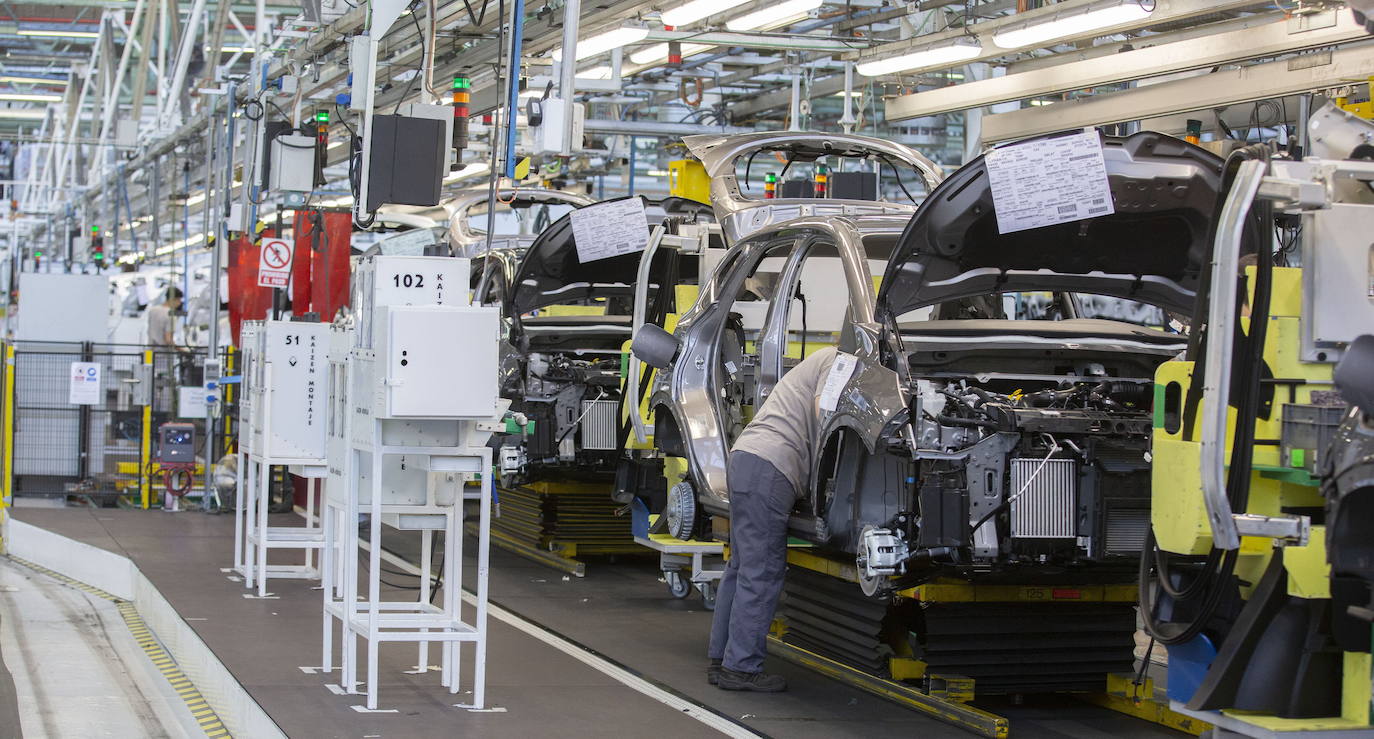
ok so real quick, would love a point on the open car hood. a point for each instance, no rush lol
(551, 274)
(740, 216)
(1150, 250)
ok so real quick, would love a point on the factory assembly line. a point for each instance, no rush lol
(707, 367)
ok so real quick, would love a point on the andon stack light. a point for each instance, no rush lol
(97, 247)
(462, 89)
(1194, 135)
(822, 180)
(770, 186)
(321, 145)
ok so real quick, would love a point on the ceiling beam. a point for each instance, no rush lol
(1276, 38)
(1305, 73)
(1165, 11)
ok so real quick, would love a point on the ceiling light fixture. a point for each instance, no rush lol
(58, 34)
(958, 50)
(27, 114)
(604, 42)
(696, 10)
(1064, 25)
(25, 80)
(472, 170)
(773, 16)
(658, 53)
(30, 97)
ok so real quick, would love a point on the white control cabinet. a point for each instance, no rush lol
(413, 399)
(282, 422)
(286, 390)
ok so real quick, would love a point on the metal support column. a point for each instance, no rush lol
(567, 69)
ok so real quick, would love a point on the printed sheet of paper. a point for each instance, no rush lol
(610, 229)
(840, 372)
(84, 387)
(1048, 181)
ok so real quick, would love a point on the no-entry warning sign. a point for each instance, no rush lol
(274, 264)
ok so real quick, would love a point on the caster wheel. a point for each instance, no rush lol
(708, 595)
(678, 586)
(681, 510)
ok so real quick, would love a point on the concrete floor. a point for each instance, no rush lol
(620, 611)
(73, 666)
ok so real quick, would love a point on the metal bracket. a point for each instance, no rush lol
(1293, 194)
(1286, 530)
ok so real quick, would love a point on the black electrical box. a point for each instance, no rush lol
(797, 189)
(176, 443)
(408, 161)
(854, 185)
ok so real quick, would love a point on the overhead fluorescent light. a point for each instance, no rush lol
(26, 80)
(958, 50)
(58, 34)
(696, 10)
(27, 114)
(602, 72)
(1072, 24)
(658, 173)
(852, 93)
(237, 49)
(472, 170)
(658, 53)
(604, 42)
(773, 16)
(30, 97)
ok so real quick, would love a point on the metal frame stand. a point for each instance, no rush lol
(377, 620)
(252, 536)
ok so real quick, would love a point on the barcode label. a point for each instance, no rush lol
(1099, 201)
(1097, 211)
(1067, 209)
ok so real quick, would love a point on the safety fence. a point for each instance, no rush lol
(81, 419)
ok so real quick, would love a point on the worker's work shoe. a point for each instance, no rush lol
(713, 672)
(758, 682)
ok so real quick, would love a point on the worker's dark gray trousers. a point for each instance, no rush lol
(761, 500)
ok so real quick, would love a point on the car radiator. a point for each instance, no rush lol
(599, 424)
(1048, 507)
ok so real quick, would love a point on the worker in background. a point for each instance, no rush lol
(769, 468)
(160, 319)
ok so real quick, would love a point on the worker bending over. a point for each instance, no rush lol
(769, 468)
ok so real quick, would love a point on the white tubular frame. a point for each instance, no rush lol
(253, 537)
(377, 620)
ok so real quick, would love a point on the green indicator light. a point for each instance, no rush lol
(95, 230)
(37, 253)
(770, 177)
(322, 116)
(461, 83)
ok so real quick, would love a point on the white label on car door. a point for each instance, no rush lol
(1048, 181)
(840, 372)
(610, 229)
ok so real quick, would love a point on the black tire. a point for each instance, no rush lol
(708, 595)
(681, 511)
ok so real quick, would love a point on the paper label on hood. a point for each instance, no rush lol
(610, 229)
(1048, 181)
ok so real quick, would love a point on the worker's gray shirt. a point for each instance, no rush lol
(784, 429)
(159, 324)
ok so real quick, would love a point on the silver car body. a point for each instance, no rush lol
(740, 216)
(875, 402)
(467, 241)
